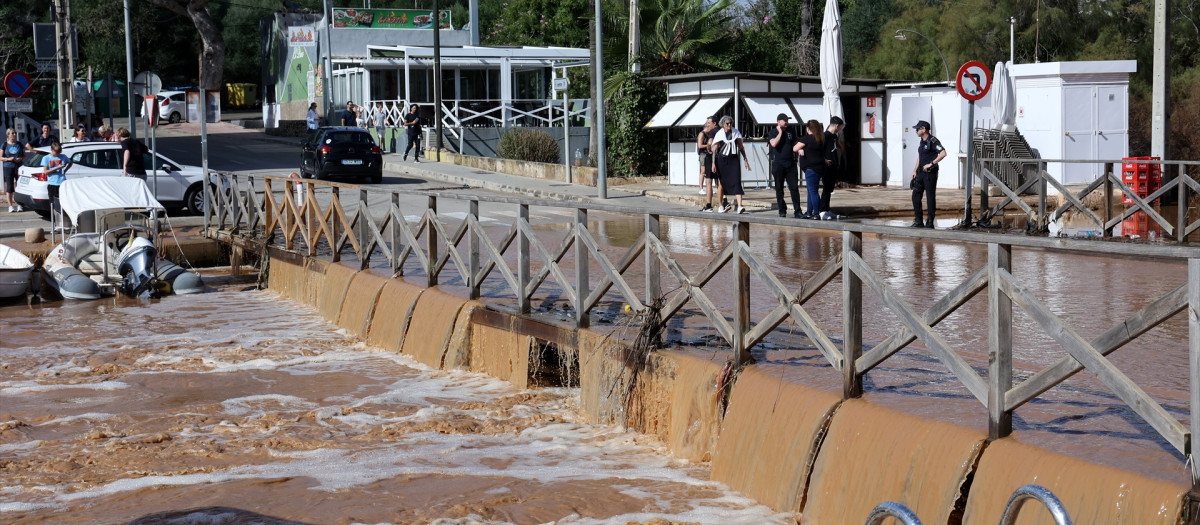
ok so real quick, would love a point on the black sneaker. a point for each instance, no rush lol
(707, 207)
(798, 215)
(725, 203)
(405, 157)
(917, 224)
(929, 224)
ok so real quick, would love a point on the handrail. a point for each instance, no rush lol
(508, 258)
(892, 509)
(1038, 493)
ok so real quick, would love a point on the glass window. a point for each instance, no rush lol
(384, 84)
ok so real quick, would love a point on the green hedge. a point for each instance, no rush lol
(528, 144)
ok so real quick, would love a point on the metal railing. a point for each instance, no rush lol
(313, 216)
(1043, 495)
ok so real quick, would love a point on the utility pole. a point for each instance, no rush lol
(635, 36)
(437, 81)
(1160, 87)
(128, 71)
(65, 59)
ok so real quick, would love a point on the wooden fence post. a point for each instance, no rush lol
(473, 249)
(582, 283)
(334, 223)
(999, 342)
(851, 317)
(741, 311)
(653, 269)
(1193, 316)
(1042, 223)
(364, 230)
(431, 247)
(1181, 207)
(1108, 195)
(523, 302)
(397, 223)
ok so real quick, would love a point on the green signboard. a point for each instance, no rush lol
(387, 18)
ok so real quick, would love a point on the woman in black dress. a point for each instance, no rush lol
(726, 148)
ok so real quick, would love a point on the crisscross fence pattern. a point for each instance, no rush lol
(1181, 187)
(508, 260)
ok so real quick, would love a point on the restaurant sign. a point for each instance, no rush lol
(387, 18)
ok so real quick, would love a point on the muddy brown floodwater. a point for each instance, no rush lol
(240, 407)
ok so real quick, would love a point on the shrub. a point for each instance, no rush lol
(528, 144)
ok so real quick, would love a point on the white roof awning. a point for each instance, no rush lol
(810, 109)
(670, 113)
(704, 108)
(765, 110)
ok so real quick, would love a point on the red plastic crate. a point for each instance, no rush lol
(1140, 177)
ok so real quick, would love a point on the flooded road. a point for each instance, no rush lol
(240, 407)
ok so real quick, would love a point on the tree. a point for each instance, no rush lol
(212, 41)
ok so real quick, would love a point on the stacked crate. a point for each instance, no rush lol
(1141, 177)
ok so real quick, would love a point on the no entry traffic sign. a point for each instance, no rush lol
(17, 83)
(973, 80)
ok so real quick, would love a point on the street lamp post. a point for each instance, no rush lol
(900, 36)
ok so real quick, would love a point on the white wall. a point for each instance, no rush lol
(948, 115)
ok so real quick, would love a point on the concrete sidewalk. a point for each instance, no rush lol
(856, 202)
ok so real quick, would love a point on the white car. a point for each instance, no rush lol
(179, 185)
(172, 106)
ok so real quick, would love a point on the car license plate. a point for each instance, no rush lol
(352, 162)
(23, 181)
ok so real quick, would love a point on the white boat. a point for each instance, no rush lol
(15, 272)
(114, 244)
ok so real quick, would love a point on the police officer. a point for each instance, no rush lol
(782, 140)
(925, 173)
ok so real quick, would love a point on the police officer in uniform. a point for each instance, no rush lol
(924, 175)
(782, 140)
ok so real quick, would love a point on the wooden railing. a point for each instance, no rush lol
(1109, 184)
(337, 218)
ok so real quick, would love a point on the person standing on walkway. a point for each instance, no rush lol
(703, 150)
(412, 121)
(814, 163)
(782, 142)
(380, 124)
(55, 166)
(834, 149)
(348, 115)
(133, 155)
(925, 175)
(42, 141)
(12, 153)
(726, 148)
(313, 119)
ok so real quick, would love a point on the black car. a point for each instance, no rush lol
(341, 152)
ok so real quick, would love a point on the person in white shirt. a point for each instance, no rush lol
(726, 148)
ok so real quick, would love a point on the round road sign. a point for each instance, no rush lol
(973, 80)
(17, 83)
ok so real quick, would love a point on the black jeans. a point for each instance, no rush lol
(926, 184)
(414, 140)
(52, 195)
(828, 181)
(781, 176)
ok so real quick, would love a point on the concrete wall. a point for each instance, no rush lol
(788, 445)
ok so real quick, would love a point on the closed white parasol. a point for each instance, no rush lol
(831, 60)
(1004, 100)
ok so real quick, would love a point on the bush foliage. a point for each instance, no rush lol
(528, 144)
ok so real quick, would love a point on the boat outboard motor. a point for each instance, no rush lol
(136, 266)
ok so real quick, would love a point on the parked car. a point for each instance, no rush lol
(179, 186)
(341, 152)
(172, 106)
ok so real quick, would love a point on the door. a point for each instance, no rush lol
(870, 123)
(170, 182)
(913, 109)
(1079, 137)
(1112, 122)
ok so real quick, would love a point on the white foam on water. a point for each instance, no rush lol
(241, 406)
(98, 416)
(29, 387)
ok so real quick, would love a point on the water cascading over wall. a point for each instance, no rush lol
(787, 445)
(770, 437)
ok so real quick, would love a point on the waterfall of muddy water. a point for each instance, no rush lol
(116, 410)
(1080, 418)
